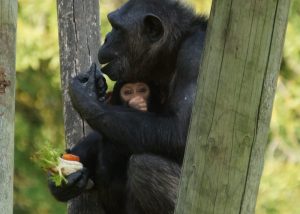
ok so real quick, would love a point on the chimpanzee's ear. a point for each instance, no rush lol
(153, 27)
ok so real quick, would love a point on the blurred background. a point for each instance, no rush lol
(39, 116)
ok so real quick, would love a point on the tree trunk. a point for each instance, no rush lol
(230, 122)
(79, 41)
(8, 26)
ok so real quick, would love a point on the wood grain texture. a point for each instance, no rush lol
(230, 122)
(8, 26)
(79, 41)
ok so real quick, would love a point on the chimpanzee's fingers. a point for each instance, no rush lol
(90, 87)
(84, 179)
(93, 69)
(142, 105)
(143, 109)
(74, 178)
(82, 77)
(101, 87)
(136, 99)
(92, 74)
(101, 83)
(98, 74)
(74, 88)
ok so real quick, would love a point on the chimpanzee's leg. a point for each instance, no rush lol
(110, 178)
(107, 166)
(152, 185)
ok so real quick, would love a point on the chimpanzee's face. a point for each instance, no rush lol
(134, 32)
(130, 91)
(113, 52)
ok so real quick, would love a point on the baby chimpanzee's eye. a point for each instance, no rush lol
(142, 90)
(128, 92)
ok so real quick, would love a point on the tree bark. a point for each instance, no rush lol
(79, 41)
(8, 26)
(229, 127)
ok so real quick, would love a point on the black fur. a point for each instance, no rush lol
(159, 41)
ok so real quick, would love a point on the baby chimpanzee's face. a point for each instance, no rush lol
(132, 90)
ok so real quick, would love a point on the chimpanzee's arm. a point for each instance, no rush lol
(144, 132)
(139, 131)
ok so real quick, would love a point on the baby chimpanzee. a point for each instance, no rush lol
(135, 95)
(138, 95)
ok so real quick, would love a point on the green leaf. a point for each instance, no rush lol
(47, 159)
(58, 179)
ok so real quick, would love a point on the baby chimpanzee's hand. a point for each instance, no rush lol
(138, 103)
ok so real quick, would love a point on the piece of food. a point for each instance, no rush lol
(60, 166)
(64, 168)
(49, 159)
(70, 157)
(69, 164)
(67, 167)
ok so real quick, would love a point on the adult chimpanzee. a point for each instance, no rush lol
(151, 40)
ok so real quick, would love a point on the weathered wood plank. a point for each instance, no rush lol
(257, 158)
(79, 41)
(8, 25)
(230, 121)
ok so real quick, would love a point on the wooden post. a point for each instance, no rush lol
(8, 27)
(79, 41)
(230, 122)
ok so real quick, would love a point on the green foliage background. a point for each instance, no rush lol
(39, 116)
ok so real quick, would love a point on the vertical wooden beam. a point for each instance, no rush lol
(228, 133)
(79, 41)
(8, 26)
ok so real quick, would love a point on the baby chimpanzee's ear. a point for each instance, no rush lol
(153, 27)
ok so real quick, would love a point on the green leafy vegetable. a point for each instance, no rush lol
(58, 178)
(48, 159)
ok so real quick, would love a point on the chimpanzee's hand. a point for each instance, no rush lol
(101, 86)
(85, 82)
(100, 82)
(83, 90)
(76, 184)
(138, 103)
